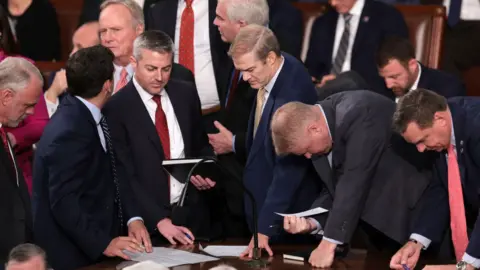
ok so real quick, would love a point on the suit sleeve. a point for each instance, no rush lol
(65, 185)
(126, 170)
(240, 146)
(325, 201)
(313, 62)
(201, 142)
(365, 142)
(473, 248)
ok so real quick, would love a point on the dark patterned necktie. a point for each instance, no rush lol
(108, 142)
(343, 47)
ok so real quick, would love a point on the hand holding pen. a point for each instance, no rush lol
(407, 257)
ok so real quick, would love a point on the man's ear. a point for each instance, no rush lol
(139, 29)
(6, 96)
(108, 86)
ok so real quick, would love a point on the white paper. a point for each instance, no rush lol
(146, 265)
(169, 257)
(224, 251)
(308, 213)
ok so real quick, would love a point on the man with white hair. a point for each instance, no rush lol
(121, 21)
(20, 87)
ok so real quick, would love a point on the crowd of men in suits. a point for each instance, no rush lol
(222, 78)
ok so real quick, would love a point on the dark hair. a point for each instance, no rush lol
(88, 69)
(394, 48)
(7, 41)
(24, 252)
(418, 106)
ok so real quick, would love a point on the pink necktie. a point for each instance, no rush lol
(123, 80)
(458, 222)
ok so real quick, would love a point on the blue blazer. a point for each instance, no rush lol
(378, 21)
(279, 184)
(435, 214)
(74, 209)
(442, 83)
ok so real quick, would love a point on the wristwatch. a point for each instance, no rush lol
(461, 265)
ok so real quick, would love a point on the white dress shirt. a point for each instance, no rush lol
(97, 116)
(415, 84)
(271, 83)
(51, 107)
(140, 2)
(470, 10)
(177, 147)
(118, 71)
(356, 13)
(204, 74)
(475, 262)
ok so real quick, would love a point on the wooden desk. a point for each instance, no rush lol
(357, 259)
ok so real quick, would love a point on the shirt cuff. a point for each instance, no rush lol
(332, 240)
(233, 143)
(471, 260)
(318, 227)
(421, 239)
(133, 219)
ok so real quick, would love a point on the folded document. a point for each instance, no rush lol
(308, 213)
(169, 257)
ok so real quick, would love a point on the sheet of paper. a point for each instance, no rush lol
(169, 257)
(308, 213)
(146, 265)
(224, 251)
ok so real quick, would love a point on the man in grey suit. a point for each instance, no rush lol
(366, 183)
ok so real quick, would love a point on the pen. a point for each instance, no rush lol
(405, 267)
(188, 236)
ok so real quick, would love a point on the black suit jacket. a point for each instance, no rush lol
(139, 149)
(377, 22)
(435, 213)
(442, 83)
(15, 210)
(75, 214)
(367, 180)
(163, 16)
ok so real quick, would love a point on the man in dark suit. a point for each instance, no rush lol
(152, 119)
(347, 36)
(279, 184)
(18, 98)
(403, 73)
(81, 203)
(449, 127)
(366, 183)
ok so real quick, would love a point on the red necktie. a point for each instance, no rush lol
(458, 221)
(162, 127)
(3, 134)
(186, 52)
(233, 87)
(123, 80)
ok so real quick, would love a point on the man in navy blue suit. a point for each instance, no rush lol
(449, 127)
(81, 205)
(279, 184)
(347, 36)
(403, 73)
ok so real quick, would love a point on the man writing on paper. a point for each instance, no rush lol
(347, 136)
(451, 128)
(279, 184)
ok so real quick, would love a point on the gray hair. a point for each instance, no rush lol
(16, 73)
(24, 252)
(135, 10)
(153, 40)
(250, 11)
(223, 267)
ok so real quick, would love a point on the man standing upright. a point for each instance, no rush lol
(20, 87)
(81, 202)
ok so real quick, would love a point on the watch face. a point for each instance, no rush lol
(461, 265)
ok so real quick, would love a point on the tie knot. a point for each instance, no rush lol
(123, 73)
(157, 99)
(347, 17)
(189, 3)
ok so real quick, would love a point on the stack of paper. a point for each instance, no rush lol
(146, 265)
(224, 251)
(169, 257)
(308, 213)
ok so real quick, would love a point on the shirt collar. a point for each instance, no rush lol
(144, 95)
(357, 8)
(129, 69)
(94, 110)
(415, 84)
(326, 120)
(271, 83)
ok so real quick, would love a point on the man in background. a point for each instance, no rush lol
(20, 88)
(27, 257)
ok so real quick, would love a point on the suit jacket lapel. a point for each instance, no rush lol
(458, 119)
(320, 162)
(362, 30)
(143, 119)
(331, 36)
(180, 110)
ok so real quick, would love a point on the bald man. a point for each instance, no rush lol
(87, 35)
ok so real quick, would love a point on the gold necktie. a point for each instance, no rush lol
(258, 109)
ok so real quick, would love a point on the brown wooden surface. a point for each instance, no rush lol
(357, 259)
